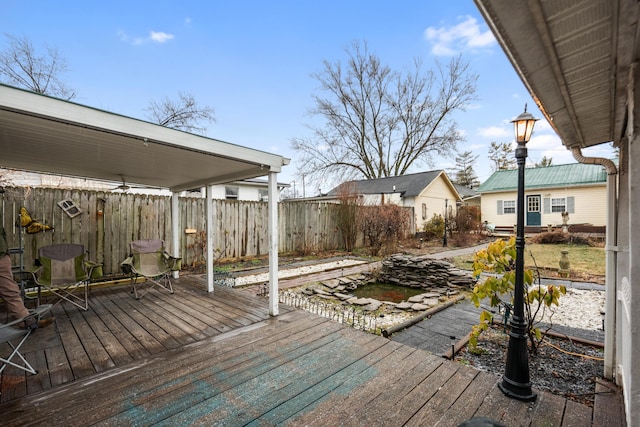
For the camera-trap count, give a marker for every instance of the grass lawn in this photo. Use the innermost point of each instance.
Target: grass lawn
(584, 259)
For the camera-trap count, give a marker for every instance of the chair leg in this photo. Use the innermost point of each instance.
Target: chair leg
(163, 282)
(26, 366)
(67, 294)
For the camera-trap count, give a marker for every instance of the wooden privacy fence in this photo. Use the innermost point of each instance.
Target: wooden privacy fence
(111, 220)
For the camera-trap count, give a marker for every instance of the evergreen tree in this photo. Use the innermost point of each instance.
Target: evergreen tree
(463, 172)
(546, 161)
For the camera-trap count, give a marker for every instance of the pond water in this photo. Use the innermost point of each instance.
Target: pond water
(386, 292)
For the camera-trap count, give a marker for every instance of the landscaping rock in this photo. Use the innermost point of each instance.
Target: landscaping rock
(423, 272)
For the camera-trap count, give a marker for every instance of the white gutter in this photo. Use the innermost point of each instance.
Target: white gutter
(611, 250)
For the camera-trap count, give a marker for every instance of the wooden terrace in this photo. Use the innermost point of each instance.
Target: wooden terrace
(219, 359)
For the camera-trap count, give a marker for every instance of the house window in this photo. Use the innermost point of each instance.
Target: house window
(424, 211)
(231, 192)
(558, 204)
(263, 195)
(509, 207)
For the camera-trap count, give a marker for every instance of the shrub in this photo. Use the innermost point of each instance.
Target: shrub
(467, 219)
(348, 215)
(434, 227)
(559, 237)
(499, 258)
(383, 226)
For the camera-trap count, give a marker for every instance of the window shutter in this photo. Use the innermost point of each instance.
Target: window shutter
(499, 207)
(546, 205)
(571, 204)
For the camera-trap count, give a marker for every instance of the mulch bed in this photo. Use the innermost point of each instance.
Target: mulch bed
(560, 366)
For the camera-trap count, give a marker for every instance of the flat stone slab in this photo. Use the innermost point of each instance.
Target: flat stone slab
(331, 283)
(373, 306)
(362, 301)
(431, 295)
(431, 301)
(404, 305)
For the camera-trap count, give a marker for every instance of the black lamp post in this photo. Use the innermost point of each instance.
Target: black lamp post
(515, 381)
(444, 237)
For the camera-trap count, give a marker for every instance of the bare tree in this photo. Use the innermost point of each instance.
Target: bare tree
(501, 154)
(21, 66)
(182, 114)
(379, 122)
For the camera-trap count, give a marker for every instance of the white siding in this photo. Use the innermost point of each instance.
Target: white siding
(590, 206)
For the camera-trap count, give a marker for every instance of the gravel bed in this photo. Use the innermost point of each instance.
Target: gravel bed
(298, 271)
(570, 373)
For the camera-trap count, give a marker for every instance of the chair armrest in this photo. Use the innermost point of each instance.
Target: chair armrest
(127, 265)
(94, 270)
(174, 263)
(36, 272)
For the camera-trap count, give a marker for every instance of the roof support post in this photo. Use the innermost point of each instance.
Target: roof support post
(210, 216)
(175, 228)
(273, 243)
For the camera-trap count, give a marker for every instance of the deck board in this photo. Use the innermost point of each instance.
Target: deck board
(219, 358)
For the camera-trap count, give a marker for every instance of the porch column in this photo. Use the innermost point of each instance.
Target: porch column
(175, 228)
(210, 218)
(273, 243)
(629, 291)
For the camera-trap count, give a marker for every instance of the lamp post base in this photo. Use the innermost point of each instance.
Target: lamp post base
(517, 390)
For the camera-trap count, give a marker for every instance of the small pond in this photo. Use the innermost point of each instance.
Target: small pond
(386, 292)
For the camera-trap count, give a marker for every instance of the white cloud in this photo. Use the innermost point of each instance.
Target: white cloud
(187, 21)
(494, 132)
(154, 36)
(466, 35)
(545, 142)
(160, 36)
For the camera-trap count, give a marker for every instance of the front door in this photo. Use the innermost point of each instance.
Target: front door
(533, 211)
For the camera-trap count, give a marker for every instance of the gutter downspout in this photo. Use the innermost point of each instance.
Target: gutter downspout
(611, 250)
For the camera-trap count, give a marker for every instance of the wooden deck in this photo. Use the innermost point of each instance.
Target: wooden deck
(219, 359)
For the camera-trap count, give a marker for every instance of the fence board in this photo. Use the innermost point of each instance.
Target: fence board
(111, 220)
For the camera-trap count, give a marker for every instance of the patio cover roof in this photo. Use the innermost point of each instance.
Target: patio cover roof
(44, 134)
(574, 58)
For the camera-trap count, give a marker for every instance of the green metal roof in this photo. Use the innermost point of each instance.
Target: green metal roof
(571, 175)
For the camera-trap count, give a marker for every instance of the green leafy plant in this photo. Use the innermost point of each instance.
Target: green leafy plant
(434, 227)
(500, 258)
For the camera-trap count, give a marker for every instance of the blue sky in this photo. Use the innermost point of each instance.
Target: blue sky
(251, 61)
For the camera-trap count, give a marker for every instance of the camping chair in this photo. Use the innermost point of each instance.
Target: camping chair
(149, 260)
(15, 337)
(63, 270)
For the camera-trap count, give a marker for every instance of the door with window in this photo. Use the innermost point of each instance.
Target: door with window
(533, 211)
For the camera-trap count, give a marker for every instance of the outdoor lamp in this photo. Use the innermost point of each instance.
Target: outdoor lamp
(444, 237)
(515, 381)
(523, 125)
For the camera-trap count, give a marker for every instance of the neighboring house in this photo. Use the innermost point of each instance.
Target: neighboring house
(245, 190)
(470, 197)
(579, 189)
(426, 192)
